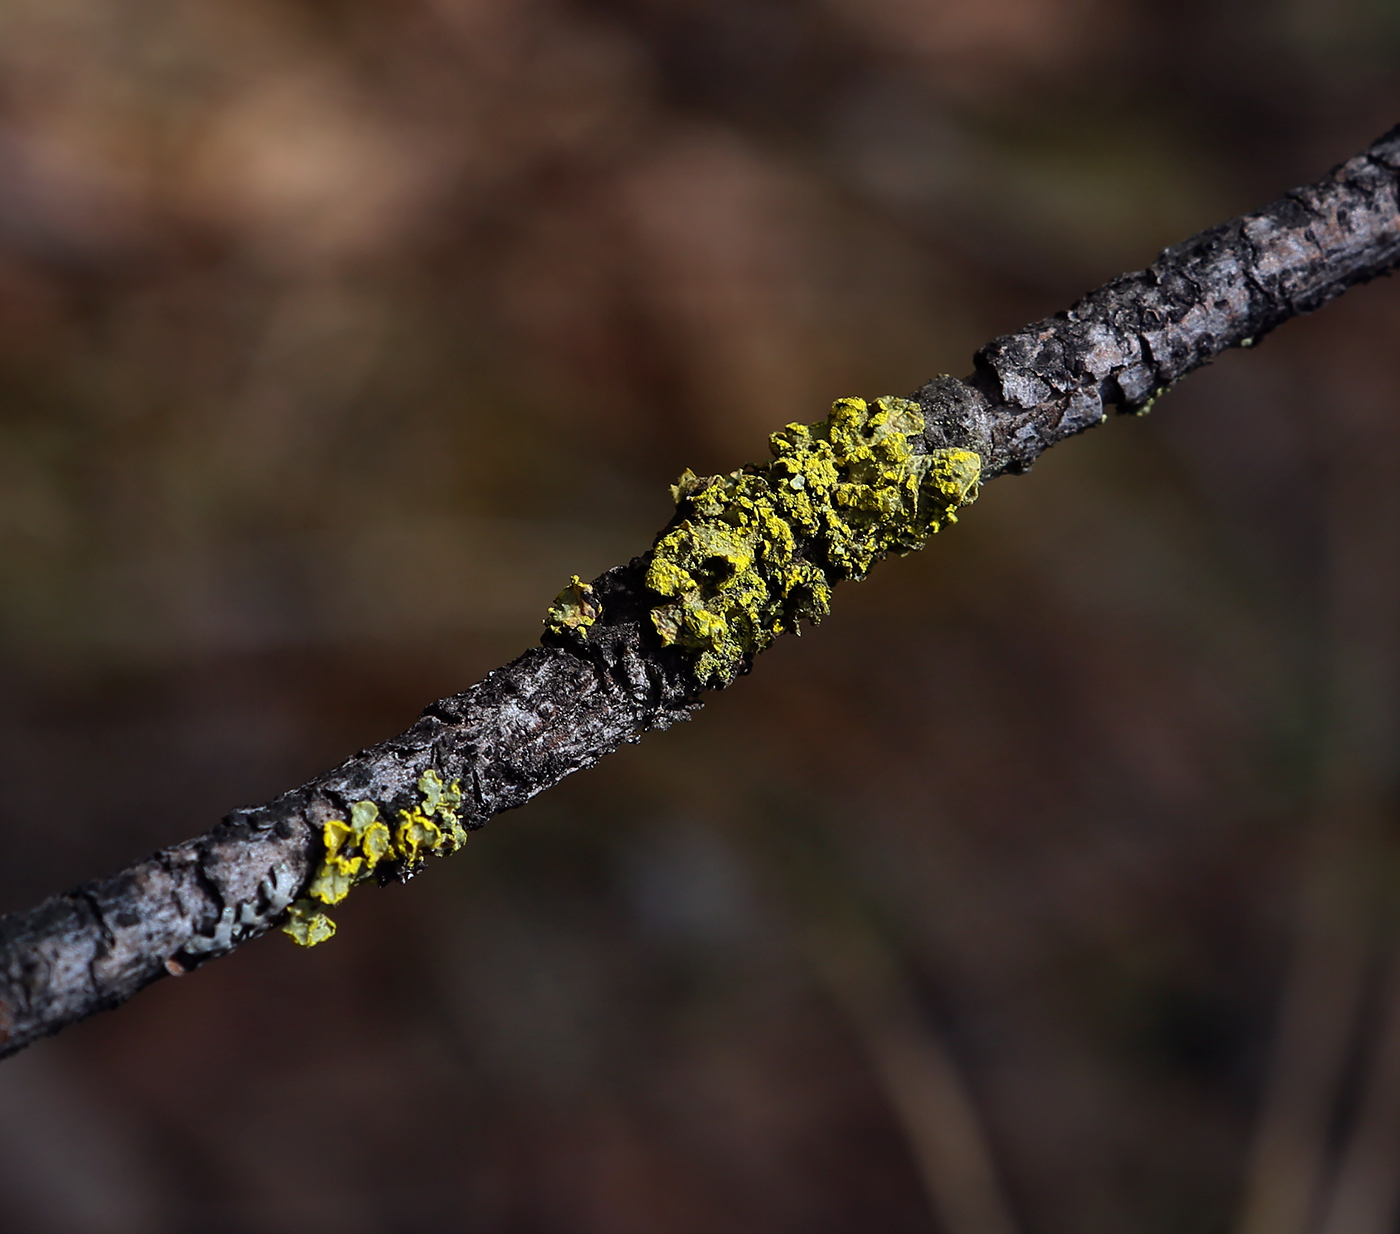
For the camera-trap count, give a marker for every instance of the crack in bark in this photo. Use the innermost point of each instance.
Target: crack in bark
(561, 707)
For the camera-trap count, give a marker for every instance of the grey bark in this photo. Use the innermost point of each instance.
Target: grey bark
(563, 706)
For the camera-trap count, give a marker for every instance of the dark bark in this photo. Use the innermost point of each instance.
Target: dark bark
(559, 708)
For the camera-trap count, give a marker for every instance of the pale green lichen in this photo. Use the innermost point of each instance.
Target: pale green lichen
(355, 848)
(755, 553)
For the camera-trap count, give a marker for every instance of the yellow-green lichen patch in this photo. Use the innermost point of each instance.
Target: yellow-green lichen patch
(307, 925)
(433, 827)
(574, 609)
(756, 552)
(352, 851)
(355, 848)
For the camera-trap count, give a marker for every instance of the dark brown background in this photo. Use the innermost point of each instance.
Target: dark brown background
(335, 336)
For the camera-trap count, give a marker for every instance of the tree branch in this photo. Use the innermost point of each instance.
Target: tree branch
(563, 706)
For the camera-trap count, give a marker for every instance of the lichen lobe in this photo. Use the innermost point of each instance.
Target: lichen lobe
(574, 609)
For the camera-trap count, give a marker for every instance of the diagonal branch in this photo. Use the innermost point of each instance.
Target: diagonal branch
(563, 706)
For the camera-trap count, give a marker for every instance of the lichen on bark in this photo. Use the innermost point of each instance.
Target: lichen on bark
(752, 554)
(354, 850)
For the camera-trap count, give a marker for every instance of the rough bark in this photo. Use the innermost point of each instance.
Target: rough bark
(560, 708)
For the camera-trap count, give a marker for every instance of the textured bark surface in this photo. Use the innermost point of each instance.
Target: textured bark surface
(561, 708)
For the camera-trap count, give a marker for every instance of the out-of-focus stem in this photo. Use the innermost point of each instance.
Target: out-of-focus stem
(920, 1078)
(1317, 1025)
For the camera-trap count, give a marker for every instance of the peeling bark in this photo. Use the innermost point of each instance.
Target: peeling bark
(560, 708)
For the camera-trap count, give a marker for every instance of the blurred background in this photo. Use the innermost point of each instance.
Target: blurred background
(1048, 888)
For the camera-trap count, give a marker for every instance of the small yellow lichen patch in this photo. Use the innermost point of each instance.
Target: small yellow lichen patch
(370, 835)
(333, 835)
(337, 875)
(574, 609)
(352, 852)
(353, 849)
(416, 835)
(307, 925)
(756, 552)
(446, 802)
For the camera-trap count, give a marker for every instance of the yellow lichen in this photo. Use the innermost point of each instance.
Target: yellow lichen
(749, 556)
(416, 834)
(307, 925)
(574, 609)
(352, 852)
(756, 552)
(353, 849)
(446, 802)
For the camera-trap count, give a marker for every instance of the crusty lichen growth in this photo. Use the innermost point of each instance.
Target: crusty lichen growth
(354, 849)
(753, 554)
(574, 609)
